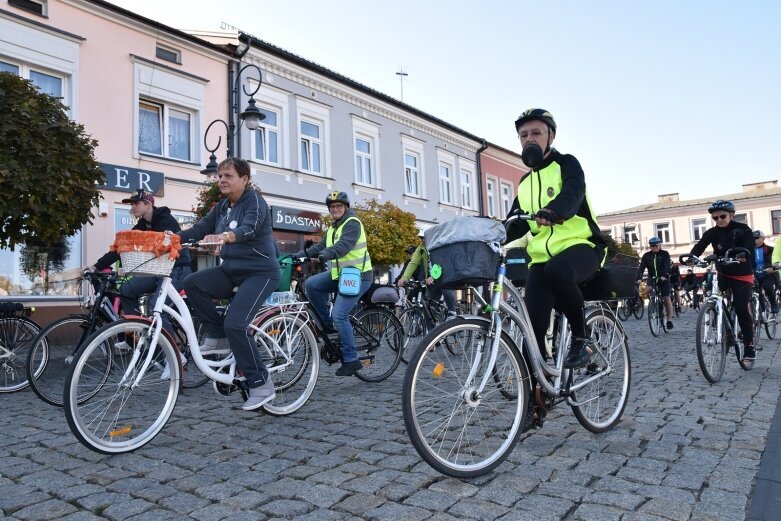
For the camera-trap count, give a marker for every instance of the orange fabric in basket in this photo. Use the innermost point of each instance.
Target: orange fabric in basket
(155, 242)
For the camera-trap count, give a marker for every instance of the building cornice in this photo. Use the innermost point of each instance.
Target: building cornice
(40, 26)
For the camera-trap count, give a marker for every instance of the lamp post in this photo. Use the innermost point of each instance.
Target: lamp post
(250, 117)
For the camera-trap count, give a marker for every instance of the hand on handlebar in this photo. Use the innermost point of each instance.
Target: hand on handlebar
(401, 282)
(545, 217)
(429, 280)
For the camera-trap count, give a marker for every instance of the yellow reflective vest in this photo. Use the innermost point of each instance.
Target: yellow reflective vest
(358, 256)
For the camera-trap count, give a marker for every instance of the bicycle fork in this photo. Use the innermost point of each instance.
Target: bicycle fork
(132, 377)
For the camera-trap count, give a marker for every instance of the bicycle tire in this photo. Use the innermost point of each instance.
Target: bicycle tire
(51, 356)
(771, 321)
(17, 334)
(683, 306)
(639, 309)
(711, 354)
(756, 317)
(624, 310)
(600, 404)
(117, 418)
(414, 327)
(192, 377)
(653, 315)
(288, 348)
(379, 340)
(442, 419)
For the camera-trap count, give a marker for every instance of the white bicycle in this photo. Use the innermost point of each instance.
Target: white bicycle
(117, 402)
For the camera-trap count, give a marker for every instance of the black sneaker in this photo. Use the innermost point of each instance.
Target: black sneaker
(669, 324)
(579, 353)
(750, 354)
(349, 368)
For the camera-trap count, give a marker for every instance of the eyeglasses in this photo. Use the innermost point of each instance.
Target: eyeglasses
(720, 217)
(535, 132)
(336, 206)
(656, 246)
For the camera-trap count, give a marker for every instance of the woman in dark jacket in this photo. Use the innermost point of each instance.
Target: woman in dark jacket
(241, 225)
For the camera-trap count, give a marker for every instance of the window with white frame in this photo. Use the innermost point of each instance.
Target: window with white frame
(412, 150)
(445, 183)
(313, 137)
(698, 228)
(775, 218)
(168, 108)
(267, 137)
(466, 188)
(741, 218)
(363, 161)
(631, 234)
(46, 82)
(490, 192)
(311, 147)
(507, 199)
(164, 130)
(662, 231)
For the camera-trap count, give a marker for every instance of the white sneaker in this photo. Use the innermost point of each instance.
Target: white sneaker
(259, 396)
(166, 374)
(122, 347)
(215, 346)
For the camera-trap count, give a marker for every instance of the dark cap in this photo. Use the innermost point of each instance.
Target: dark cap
(140, 195)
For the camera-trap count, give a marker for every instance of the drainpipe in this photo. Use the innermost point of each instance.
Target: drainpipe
(480, 176)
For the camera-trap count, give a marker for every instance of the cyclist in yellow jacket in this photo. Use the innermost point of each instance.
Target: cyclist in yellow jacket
(342, 245)
(566, 247)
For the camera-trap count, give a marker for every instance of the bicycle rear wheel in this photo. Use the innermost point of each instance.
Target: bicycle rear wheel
(711, 353)
(17, 334)
(192, 377)
(120, 415)
(653, 315)
(414, 326)
(457, 431)
(52, 354)
(379, 340)
(771, 321)
(288, 348)
(639, 308)
(624, 309)
(600, 403)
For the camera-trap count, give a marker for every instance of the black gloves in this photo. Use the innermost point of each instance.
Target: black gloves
(546, 214)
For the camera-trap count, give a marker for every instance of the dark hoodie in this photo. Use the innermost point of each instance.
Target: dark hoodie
(162, 221)
(734, 235)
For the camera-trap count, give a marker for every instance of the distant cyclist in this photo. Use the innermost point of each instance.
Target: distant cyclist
(657, 262)
(739, 278)
(763, 269)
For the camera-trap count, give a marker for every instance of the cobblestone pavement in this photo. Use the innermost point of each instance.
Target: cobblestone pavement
(684, 450)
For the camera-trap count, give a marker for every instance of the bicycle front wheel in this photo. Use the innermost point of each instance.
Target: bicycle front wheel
(288, 348)
(51, 356)
(624, 309)
(457, 430)
(653, 315)
(127, 406)
(711, 352)
(600, 403)
(379, 339)
(771, 321)
(414, 326)
(16, 339)
(639, 308)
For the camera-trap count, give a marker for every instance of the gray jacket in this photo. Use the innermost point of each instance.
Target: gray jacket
(250, 220)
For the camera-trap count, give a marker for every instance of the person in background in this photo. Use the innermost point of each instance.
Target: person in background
(240, 225)
(657, 262)
(764, 272)
(419, 264)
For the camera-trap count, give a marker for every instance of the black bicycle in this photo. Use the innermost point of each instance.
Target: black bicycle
(631, 306)
(656, 310)
(17, 332)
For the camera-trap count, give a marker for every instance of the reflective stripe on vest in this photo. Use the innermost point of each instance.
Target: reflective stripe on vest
(354, 257)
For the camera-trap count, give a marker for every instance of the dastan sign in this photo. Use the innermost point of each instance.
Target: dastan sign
(296, 220)
(129, 179)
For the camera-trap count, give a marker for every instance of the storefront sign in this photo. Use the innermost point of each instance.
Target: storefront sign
(129, 179)
(297, 220)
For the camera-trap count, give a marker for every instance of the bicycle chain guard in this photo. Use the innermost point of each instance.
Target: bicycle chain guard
(331, 353)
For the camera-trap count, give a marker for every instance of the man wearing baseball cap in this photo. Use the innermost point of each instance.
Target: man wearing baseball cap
(150, 218)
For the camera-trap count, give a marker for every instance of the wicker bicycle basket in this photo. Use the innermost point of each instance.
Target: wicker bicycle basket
(147, 253)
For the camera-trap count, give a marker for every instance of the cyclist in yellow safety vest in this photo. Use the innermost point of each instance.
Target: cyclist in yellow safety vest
(566, 247)
(343, 245)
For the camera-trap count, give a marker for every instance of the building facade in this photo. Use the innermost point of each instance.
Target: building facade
(680, 224)
(143, 90)
(502, 170)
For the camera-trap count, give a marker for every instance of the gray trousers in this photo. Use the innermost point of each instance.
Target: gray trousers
(204, 286)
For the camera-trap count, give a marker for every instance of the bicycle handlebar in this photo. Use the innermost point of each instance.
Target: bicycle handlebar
(729, 257)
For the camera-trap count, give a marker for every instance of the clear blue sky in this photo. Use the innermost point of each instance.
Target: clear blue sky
(651, 97)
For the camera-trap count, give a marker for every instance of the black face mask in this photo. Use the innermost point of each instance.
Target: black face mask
(532, 155)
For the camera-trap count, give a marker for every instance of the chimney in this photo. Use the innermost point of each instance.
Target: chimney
(762, 185)
(668, 198)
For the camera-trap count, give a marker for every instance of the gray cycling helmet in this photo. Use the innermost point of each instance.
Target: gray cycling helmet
(723, 205)
(538, 114)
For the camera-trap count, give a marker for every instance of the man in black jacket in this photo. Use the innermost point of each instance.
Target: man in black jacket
(763, 269)
(150, 218)
(739, 277)
(657, 262)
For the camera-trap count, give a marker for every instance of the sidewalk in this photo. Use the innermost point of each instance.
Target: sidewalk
(766, 496)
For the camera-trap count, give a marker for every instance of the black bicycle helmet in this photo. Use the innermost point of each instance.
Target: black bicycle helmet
(758, 234)
(722, 205)
(337, 197)
(538, 114)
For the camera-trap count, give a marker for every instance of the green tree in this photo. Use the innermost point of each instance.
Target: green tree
(48, 170)
(389, 231)
(614, 246)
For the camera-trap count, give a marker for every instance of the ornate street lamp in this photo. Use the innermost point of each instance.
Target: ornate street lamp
(250, 117)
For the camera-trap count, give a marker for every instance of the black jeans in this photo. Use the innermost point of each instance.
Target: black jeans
(741, 299)
(555, 284)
